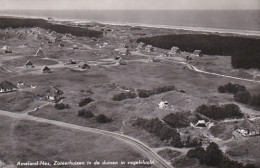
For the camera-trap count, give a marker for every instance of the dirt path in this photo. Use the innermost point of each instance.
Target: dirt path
(161, 163)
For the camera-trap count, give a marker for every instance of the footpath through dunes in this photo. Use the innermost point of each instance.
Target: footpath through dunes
(147, 151)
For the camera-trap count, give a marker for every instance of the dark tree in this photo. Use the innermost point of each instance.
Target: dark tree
(85, 101)
(103, 119)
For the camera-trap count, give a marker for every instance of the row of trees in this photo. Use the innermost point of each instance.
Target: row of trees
(245, 51)
(59, 28)
(213, 156)
(142, 93)
(222, 112)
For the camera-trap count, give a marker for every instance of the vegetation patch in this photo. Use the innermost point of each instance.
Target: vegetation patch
(61, 106)
(231, 88)
(242, 57)
(213, 156)
(85, 101)
(124, 95)
(143, 93)
(227, 111)
(85, 113)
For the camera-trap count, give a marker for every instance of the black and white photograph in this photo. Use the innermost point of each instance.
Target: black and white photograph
(129, 83)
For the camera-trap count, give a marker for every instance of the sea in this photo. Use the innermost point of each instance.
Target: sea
(236, 21)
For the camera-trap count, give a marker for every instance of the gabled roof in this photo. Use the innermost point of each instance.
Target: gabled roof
(197, 52)
(29, 63)
(54, 91)
(247, 124)
(39, 52)
(7, 85)
(83, 65)
(46, 68)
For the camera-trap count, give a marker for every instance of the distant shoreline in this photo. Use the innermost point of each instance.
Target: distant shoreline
(196, 29)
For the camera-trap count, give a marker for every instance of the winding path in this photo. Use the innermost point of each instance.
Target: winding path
(161, 163)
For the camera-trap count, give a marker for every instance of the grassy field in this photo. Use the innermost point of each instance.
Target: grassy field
(30, 141)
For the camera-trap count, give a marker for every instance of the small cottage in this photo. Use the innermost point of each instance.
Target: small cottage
(29, 64)
(53, 94)
(140, 46)
(149, 48)
(117, 57)
(72, 61)
(174, 50)
(40, 53)
(197, 53)
(163, 105)
(6, 86)
(122, 62)
(8, 49)
(83, 65)
(46, 70)
(124, 51)
(201, 123)
(75, 47)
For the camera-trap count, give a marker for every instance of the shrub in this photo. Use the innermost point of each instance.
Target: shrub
(123, 96)
(231, 88)
(197, 152)
(255, 101)
(61, 106)
(85, 101)
(177, 120)
(243, 97)
(220, 112)
(85, 113)
(103, 119)
(142, 93)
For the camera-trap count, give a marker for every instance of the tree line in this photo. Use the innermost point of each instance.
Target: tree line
(59, 28)
(245, 51)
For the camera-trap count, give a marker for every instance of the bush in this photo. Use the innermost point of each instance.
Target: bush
(177, 120)
(255, 101)
(61, 106)
(220, 112)
(85, 101)
(243, 97)
(103, 119)
(231, 88)
(85, 113)
(123, 96)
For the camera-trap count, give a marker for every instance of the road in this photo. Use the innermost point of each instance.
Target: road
(193, 68)
(159, 162)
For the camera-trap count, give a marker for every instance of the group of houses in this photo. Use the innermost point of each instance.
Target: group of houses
(147, 48)
(52, 93)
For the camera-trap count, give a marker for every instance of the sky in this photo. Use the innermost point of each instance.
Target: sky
(129, 4)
